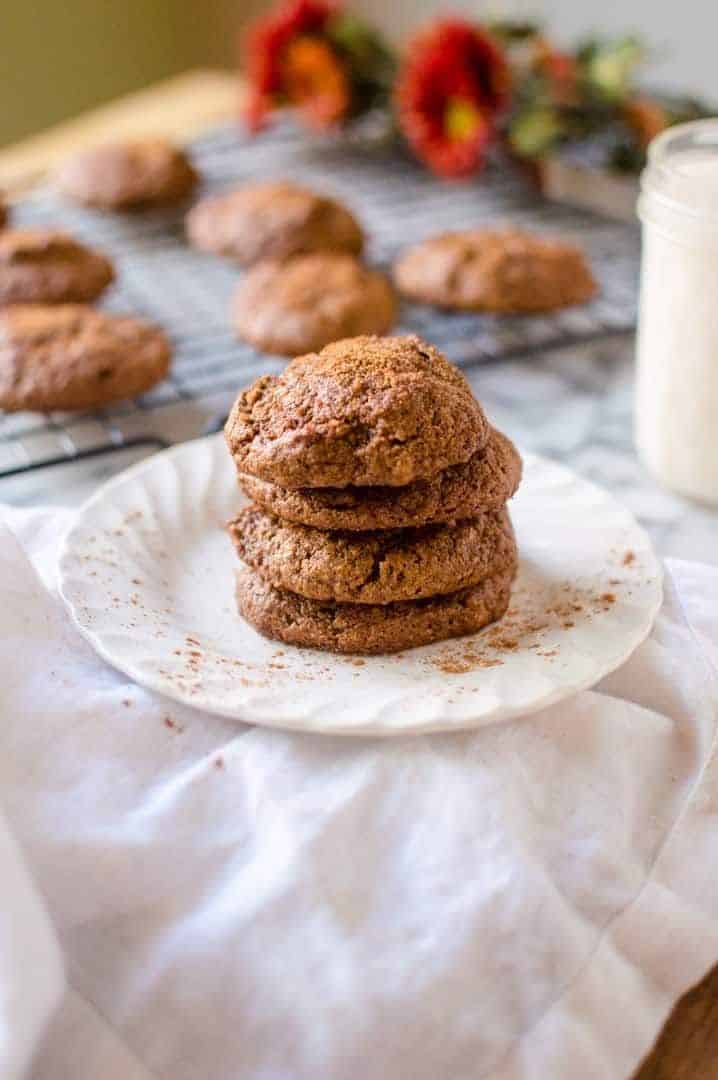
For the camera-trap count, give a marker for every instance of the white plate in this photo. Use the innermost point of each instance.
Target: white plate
(147, 571)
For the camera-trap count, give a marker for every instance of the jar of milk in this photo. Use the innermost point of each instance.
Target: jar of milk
(677, 379)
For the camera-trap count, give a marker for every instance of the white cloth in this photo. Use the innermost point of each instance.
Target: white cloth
(522, 902)
(31, 978)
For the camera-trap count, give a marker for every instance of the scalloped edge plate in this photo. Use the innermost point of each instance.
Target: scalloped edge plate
(147, 572)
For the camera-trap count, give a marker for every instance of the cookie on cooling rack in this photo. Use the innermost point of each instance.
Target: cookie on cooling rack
(507, 271)
(49, 267)
(302, 304)
(128, 175)
(272, 220)
(69, 357)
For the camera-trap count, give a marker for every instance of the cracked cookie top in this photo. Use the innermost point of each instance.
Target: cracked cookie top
(363, 411)
(374, 567)
(71, 356)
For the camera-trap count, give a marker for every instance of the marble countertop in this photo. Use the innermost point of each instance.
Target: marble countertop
(576, 405)
(573, 404)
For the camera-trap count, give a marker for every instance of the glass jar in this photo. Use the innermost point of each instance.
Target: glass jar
(677, 348)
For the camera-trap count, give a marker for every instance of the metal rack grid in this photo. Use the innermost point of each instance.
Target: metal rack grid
(188, 293)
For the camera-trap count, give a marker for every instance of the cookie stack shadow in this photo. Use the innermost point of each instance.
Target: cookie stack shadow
(378, 491)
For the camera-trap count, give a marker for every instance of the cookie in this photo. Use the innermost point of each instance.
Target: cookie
(69, 356)
(272, 220)
(303, 304)
(485, 482)
(507, 271)
(128, 175)
(373, 567)
(366, 628)
(363, 411)
(47, 266)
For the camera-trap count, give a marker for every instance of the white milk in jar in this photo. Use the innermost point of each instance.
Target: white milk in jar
(677, 379)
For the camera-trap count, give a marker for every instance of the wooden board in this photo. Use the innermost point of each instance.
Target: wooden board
(178, 108)
(688, 1046)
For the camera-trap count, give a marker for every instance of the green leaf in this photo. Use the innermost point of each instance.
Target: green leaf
(512, 31)
(609, 67)
(533, 132)
(370, 59)
(627, 157)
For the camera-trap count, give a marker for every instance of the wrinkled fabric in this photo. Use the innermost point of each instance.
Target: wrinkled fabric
(31, 977)
(524, 901)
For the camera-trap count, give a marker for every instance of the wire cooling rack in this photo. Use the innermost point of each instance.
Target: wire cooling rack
(188, 293)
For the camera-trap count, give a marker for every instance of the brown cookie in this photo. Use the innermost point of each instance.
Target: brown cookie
(485, 482)
(366, 628)
(49, 267)
(128, 175)
(303, 304)
(363, 411)
(272, 220)
(506, 271)
(373, 567)
(70, 356)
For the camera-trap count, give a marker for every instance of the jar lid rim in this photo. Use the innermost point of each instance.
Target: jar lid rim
(676, 172)
(697, 130)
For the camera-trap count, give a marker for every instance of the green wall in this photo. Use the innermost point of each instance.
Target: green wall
(59, 57)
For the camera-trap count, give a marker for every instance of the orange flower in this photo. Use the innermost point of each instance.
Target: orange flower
(315, 81)
(265, 46)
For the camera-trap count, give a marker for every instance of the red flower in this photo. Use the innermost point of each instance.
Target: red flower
(453, 86)
(266, 46)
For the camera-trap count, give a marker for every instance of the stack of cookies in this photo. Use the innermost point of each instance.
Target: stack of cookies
(378, 490)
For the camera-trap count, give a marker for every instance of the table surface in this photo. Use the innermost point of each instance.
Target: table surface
(590, 388)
